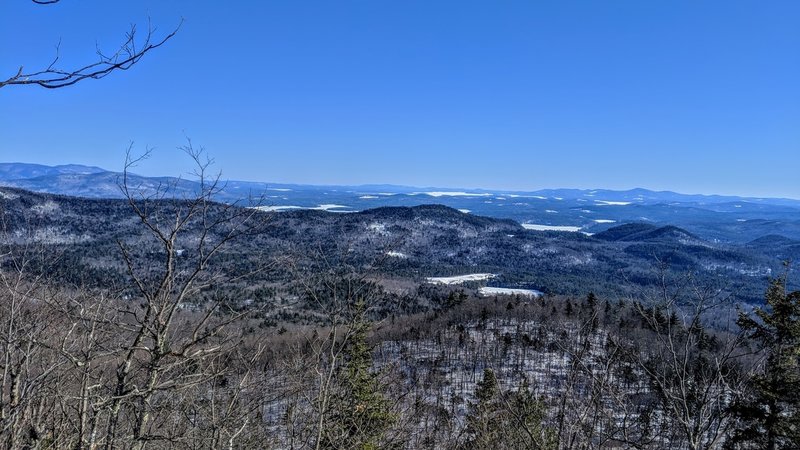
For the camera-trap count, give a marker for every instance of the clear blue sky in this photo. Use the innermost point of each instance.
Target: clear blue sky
(692, 96)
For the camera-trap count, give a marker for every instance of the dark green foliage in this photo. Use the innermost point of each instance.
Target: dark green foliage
(591, 301)
(484, 425)
(770, 417)
(360, 413)
(506, 420)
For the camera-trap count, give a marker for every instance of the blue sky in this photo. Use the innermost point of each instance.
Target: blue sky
(694, 96)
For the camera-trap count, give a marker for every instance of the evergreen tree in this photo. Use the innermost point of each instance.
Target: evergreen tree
(361, 414)
(769, 417)
(525, 428)
(591, 301)
(507, 420)
(483, 426)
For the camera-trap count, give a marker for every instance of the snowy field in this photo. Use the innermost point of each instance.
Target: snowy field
(278, 208)
(536, 227)
(461, 278)
(281, 208)
(607, 203)
(455, 194)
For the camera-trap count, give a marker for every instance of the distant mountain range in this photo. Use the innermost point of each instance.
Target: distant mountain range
(715, 218)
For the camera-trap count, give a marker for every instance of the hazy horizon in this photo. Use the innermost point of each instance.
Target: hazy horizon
(187, 175)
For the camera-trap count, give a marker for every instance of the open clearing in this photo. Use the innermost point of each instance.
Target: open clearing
(458, 279)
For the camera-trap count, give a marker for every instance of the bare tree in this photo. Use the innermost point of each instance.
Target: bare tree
(695, 372)
(168, 350)
(130, 52)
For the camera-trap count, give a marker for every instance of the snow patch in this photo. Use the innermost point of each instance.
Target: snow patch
(379, 228)
(278, 208)
(460, 278)
(8, 196)
(395, 254)
(537, 227)
(604, 221)
(45, 208)
(328, 207)
(608, 203)
(455, 194)
(525, 196)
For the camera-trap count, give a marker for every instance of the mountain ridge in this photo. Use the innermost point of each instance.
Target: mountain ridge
(413, 242)
(14, 173)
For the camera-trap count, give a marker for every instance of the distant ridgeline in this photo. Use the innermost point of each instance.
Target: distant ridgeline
(717, 219)
(406, 243)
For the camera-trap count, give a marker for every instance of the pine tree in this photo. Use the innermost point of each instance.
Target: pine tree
(525, 428)
(361, 414)
(483, 426)
(770, 417)
(507, 420)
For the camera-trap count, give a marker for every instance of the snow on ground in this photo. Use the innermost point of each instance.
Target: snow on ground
(465, 211)
(368, 196)
(460, 278)
(278, 208)
(8, 196)
(379, 228)
(279, 189)
(536, 227)
(487, 291)
(45, 208)
(551, 211)
(608, 203)
(328, 207)
(455, 194)
(526, 196)
(395, 254)
(604, 221)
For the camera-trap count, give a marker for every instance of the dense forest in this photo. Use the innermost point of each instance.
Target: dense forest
(171, 354)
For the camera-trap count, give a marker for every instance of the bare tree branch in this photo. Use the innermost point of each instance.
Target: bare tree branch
(130, 52)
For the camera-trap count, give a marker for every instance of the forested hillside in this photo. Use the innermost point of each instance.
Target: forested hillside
(153, 323)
